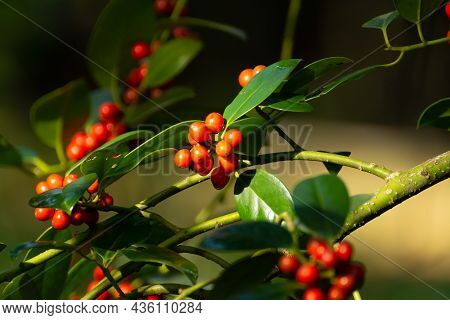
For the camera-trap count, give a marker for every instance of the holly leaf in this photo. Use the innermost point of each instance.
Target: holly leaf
(64, 198)
(12, 156)
(77, 278)
(322, 205)
(382, 21)
(259, 89)
(416, 10)
(260, 196)
(288, 103)
(248, 235)
(436, 115)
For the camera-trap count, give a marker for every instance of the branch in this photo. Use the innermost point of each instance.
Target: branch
(399, 187)
(419, 45)
(203, 253)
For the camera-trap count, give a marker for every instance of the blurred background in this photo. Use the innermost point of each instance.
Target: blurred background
(406, 250)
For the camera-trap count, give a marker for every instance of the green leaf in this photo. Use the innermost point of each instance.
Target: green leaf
(21, 287)
(359, 199)
(2, 246)
(120, 24)
(244, 274)
(288, 103)
(253, 134)
(97, 97)
(322, 204)
(268, 291)
(415, 10)
(196, 22)
(160, 255)
(56, 116)
(64, 198)
(16, 250)
(436, 115)
(14, 156)
(249, 235)
(170, 60)
(259, 89)
(77, 278)
(381, 21)
(333, 167)
(137, 114)
(299, 82)
(261, 196)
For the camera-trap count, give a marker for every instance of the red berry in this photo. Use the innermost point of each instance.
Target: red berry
(134, 78)
(307, 274)
(91, 217)
(106, 200)
(182, 158)
(346, 282)
(42, 187)
(180, 32)
(219, 178)
(79, 138)
(245, 76)
(44, 214)
(69, 179)
(125, 286)
(199, 153)
(78, 216)
(336, 293)
(258, 69)
(228, 164)
(224, 149)
(204, 167)
(93, 188)
(214, 122)
(156, 93)
(358, 271)
(60, 220)
(91, 285)
(163, 7)
(75, 152)
(313, 294)
(316, 248)
(130, 96)
(92, 143)
(98, 273)
(288, 264)
(343, 251)
(142, 70)
(447, 10)
(109, 111)
(153, 297)
(100, 131)
(233, 137)
(140, 50)
(328, 258)
(199, 132)
(192, 142)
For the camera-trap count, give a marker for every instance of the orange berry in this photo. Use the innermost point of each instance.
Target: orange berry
(93, 188)
(69, 179)
(228, 164)
(258, 69)
(233, 137)
(223, 148)
(42, 187)
(60, 220)
(199, 153)
(182, 158)
(44, 214)
(55, 181)
(214, 122)
(245, 76)
(199, 132)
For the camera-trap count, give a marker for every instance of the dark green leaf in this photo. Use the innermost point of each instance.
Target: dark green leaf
(249, 235)
(21, 287)
(259, 89)
(299, 82)
(160, 255)
(137, 114)
(2, 246)
(382, 21)
(196, 22)
(244, 274)
(253, 134)
(415, 10)
(288, 103)
(56, 116)
(120, 24)
(98, 97)
(64, 198)
(77, 278)
(261, 196)
(436, 115)
(322, 204)
(359, 199)
(18, 249)
(170, 60)
(333, 167)
(14, 156)
(268, 291)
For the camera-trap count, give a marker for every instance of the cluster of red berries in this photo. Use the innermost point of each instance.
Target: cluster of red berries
(447, 11)
(108, 128)
(202, 138)
(346, 275)
(247, 74)
(79, 215)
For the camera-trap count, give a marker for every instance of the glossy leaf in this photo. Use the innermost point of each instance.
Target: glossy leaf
(249, 235)
(288, 103)
(333, 167)
(56, 116)
(196, 22)
(268, 291)
(170, 60)
(322, 204)
(260, 196)
(253, 134)
(359, 199)
(259, 89)
(415, 10)
(244, 274)
(64, 198)
(299, 82)
(382, 21)
(120, 24)
(77, 277)
(436, 115)
(137, 114)
(18, 249)
(160, 255)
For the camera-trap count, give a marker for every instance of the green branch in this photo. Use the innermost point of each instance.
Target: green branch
(419, 45)
(203, 253)
(287, 46)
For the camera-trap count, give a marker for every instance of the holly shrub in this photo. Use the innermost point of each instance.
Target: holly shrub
(291, 243)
